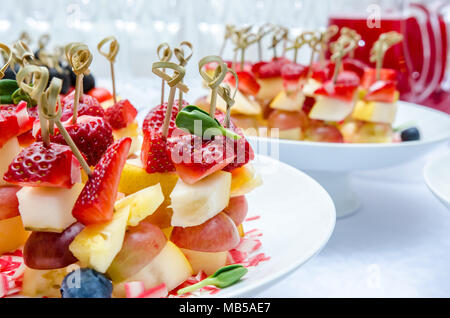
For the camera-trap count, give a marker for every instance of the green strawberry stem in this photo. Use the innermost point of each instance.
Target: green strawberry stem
(201, 284)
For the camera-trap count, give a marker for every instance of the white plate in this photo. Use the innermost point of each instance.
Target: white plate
(297, 217)
(437, 177)
(330, 163)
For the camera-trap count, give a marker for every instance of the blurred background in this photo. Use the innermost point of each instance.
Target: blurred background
(140, 25)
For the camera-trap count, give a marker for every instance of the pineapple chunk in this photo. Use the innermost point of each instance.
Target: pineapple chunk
(269, 88)
(331, 109)
(135, 178)
(377, 112)
(56, 212)
(40, 283)
(132, 131)
(7, 153)
(204, 261)
(242, 105)
(142, 203)
(244, 180)
(292, 102)
(97, 245)
(13, 235)
(193, 204)
(108, 103)
(170, 267)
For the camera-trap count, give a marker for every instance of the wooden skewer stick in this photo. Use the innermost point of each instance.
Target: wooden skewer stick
(213, 82)
(380, 47)
(340, 48)
(325, 38)
(179, 53)
(174, 82)
(4, 48)
(79, 58)
(229, 30)
(165, 56)
(111, 57)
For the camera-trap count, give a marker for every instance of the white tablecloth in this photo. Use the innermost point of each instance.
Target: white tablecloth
(397, 245)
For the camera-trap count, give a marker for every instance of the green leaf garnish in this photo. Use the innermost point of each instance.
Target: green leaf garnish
(20, 95)
(7, 88)
(224, 277)
(198, 122)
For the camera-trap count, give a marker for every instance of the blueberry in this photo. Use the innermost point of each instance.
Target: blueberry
(410, 134)
(88, 80)
(63, 75)
(86, 283)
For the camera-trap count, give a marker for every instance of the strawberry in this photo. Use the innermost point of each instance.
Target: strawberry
(241, 147)
(293, 71)
(382, 91)
(100, 93)
(386, 74)
(91, 107)
(194, 158)
(153, 153)
(356, 66)
(247, 65)
(308, 104)
(121, 114)
(247, 82)
(92, 135)
(84, 99)
(322, 73)
(14, 122)
(95, 203)
(344, 89)
(270, 69)
(44, 166)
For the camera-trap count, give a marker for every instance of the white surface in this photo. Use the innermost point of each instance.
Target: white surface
(297, 219)
(437, 177)
(396, 246)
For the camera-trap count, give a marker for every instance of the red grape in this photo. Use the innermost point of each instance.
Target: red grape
(141, 245)
(324, 133)
(46, 250)
(218, 234)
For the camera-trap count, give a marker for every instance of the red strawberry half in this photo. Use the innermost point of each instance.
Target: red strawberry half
(95, 203)
(344, 89)
(386, 74)
(121, 114)
(153, 152)
(101, 94)
(270, 69)
(194, 158)
(44, 166)
(92, 135)
(241, 147)
(382, 91)
(356, 66)
(247, 82)
(14, 122)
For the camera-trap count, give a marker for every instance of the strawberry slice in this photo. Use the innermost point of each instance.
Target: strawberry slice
(44, 166)
(101, 94)
(386, 74)
(344, 89)
(153, 152)
(121, 114)
(382, 91)
(241, 147)
(92, 136)
(14, 122)
(87, 106)
(195, 159)
(356, 66)
(293, 71)
(95, 203)
(84, 99)
(322, 73)
(247, 82)
(270, 69)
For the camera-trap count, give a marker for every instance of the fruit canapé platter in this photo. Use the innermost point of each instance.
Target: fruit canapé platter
(95, 205)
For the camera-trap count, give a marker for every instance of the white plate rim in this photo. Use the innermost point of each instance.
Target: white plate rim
(429, 183)
(269, 279)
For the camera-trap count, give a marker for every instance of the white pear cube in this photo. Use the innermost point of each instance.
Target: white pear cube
(269, 88)
(331, 109)
(7, 153)
(293, 102)
(48, 209)
(310, 87)
(242, 105)
(194, 204)
(170, 267)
